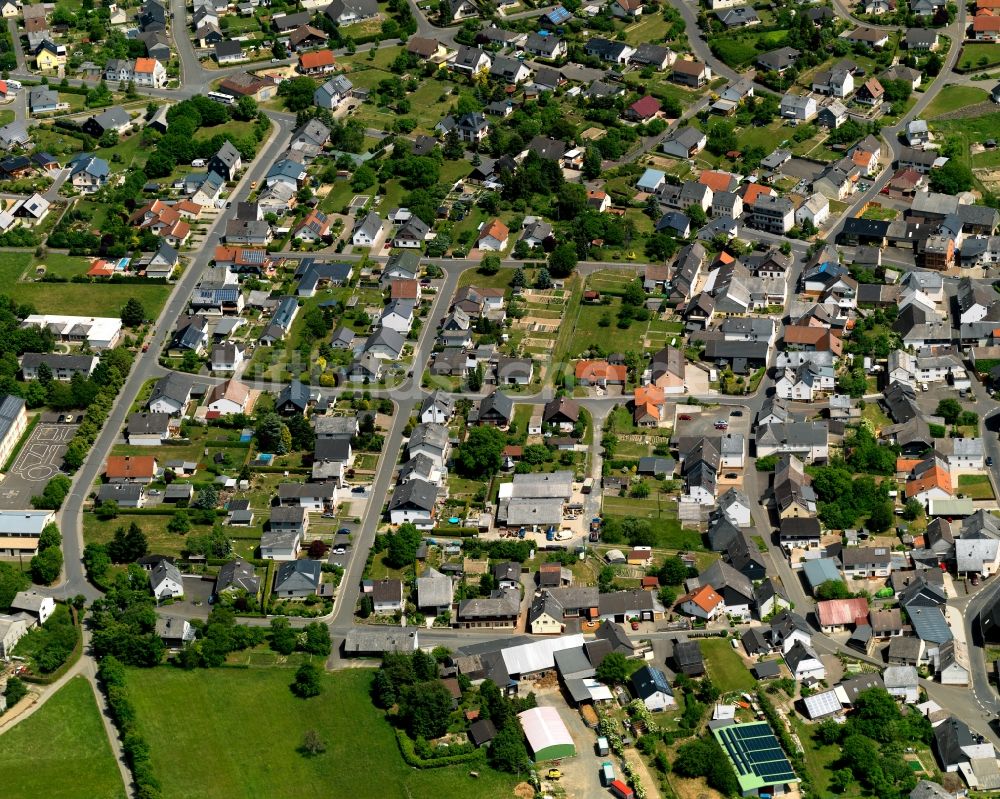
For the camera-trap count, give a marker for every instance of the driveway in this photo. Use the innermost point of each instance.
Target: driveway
(195, 604)
(39, 460)
(580, 777)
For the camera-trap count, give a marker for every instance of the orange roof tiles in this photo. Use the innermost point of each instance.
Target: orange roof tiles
(101, 268)
(906, 465)
(705, 598)
(145, 66)
(316, 59)
(985, 24)
(753, 191)
(130, 467)
(715, 180)
(496, 229)
(601, 370)
(649, 395)
(933, 478)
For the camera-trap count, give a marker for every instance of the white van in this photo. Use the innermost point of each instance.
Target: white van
(198, 162)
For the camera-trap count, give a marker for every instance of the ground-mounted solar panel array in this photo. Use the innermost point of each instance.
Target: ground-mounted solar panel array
(756, 755)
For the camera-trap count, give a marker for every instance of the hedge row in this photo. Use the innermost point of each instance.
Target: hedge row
(455, 532)
(406, 748)
(111, 674)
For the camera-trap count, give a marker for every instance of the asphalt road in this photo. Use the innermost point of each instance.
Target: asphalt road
(145, 367)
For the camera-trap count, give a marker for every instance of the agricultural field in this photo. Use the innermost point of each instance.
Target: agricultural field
(61, 752)
(224, 759)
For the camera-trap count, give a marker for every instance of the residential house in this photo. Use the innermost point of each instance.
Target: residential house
(165, 581)
(229, 397)
(685, 142)
(147, 429)
(651, 687)
(297, 579)
(691, 73)
(836, 615)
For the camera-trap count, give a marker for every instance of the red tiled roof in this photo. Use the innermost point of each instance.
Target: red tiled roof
(715, 180)
(130, 466)
(601, 370)
(496, 229)
(839, 612)
(753, 191)
(646, 107)
(934, 478)
(705, 598)
(316, 59)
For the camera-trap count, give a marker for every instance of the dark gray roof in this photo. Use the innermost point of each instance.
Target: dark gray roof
(296, 393)
(298, 575)
(415, 493)
(237, 574)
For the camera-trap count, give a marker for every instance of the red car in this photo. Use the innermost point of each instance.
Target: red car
(684, 417)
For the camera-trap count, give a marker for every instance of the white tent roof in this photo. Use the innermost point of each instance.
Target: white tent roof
(543, 728)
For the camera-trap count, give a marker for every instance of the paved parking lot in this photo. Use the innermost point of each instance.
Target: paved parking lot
(702, 421)
(38, 462)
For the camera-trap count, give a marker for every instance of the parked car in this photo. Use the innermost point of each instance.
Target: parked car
(684, 417)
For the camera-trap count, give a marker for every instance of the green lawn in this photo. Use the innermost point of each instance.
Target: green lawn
(978, 56)
(739, 50)
(662, 518)
(98, 299)
(237, 128)
(209, 751)
(67, 266)
(612, 338)
(975, 486)
(160, 539)
(986, 159)
(651, 28)
(725, 666)
(954, 98)
(61, 752)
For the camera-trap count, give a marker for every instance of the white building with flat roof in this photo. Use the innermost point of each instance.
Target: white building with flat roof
(100, 332)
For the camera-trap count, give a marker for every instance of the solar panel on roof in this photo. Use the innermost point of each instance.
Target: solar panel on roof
(756, 754)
